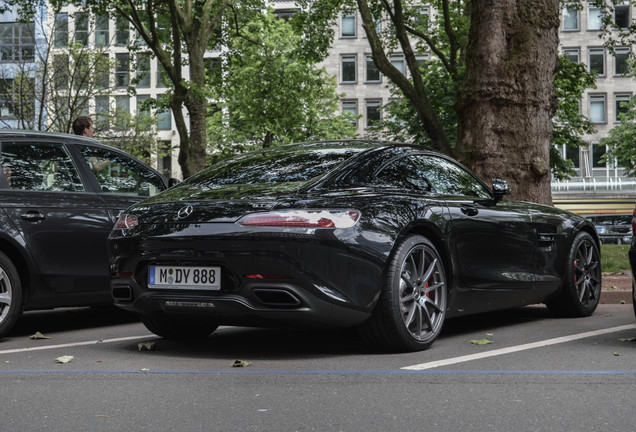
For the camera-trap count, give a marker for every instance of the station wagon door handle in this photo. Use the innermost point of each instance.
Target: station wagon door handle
(469, 210)
(33, 216)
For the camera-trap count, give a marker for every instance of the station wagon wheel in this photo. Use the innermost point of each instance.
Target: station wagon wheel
(581, 288)
(171, 328)
(412, 306)
(10, 295)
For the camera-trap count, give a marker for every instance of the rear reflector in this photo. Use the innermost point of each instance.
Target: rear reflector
(266, 276)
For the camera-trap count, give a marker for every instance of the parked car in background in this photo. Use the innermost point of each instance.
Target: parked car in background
(390, 238)
(59, 197)
(613, 228)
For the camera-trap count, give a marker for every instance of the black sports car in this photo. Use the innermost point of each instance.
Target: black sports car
(390, 238)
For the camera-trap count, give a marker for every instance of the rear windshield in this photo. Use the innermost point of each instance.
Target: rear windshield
(279, 165)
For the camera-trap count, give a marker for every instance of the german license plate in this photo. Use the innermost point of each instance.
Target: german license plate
(184, 277)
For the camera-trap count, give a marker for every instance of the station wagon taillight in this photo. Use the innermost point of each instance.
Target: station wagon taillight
(126, 221)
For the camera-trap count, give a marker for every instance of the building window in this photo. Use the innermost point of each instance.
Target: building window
(372, 73)
(621, 105)
(122, 112)
(597, 109)
(594, 17)
(102, 72)
(422, 59)
(143, 70)
(598, 151)
(164, 120)
(61, 30)
(102, 33)
(122, 36)
(621, 61)
(573, 54)
(61, 71)
(17, 42)
(81, 28)
(573, 154)
(350, 107)
(597, 61)
(164, 159)
(423, 17)
(348, 67)
(285, 14)
(570, 17)
(162, 77)
(142, 108)
(348, 25)
(122, 72)
(374, 112)
(621, 14)
(397, 60)
(102, 113)
(6, 99)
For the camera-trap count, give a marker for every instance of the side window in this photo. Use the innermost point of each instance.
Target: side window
(431, 174)
(39, 166)
(119, 174)
(448, 178)
(403, 173)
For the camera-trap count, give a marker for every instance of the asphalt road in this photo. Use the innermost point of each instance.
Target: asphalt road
(538, 374)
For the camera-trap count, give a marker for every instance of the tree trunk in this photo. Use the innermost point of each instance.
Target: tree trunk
(508, 97)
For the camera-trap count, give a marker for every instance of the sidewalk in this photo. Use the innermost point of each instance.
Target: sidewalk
(617, 289)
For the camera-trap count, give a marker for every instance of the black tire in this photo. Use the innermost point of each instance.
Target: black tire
(10, 295)
(179, 329)
(412, 307)
(581, 290)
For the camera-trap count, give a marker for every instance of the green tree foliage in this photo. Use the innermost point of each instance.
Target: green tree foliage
(568, 125)
(270, 92)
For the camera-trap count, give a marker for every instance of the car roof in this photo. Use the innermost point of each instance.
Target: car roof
(22, 133)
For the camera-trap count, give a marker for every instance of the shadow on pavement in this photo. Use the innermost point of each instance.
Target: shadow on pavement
(68, 319)
(287, 343)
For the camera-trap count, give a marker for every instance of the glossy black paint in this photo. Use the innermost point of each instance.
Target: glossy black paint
(57, 239)
(497, 254)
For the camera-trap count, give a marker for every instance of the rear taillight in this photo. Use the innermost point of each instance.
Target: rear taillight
(126, 221)
(303, 219)
(634, 223)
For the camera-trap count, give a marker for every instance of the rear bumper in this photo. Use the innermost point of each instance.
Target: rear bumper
(256, 303)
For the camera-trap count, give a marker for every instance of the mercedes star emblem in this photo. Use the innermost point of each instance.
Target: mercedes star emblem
(184, 212)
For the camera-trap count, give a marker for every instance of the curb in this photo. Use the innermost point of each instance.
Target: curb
(616, 297)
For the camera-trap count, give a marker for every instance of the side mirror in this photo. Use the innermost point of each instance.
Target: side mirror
(500, 188)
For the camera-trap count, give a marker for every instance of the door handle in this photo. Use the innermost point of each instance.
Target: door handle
(33, 216)
(469, 210)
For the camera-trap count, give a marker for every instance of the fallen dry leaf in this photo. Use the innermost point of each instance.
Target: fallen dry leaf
(64, 359)
(38, 335)
(148, 346)
(241, 363)
(481, 341)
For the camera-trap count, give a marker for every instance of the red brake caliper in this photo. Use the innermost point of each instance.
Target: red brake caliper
(576, 262)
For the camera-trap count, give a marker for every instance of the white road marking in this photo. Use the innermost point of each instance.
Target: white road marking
(502, 351)
(74, 344)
